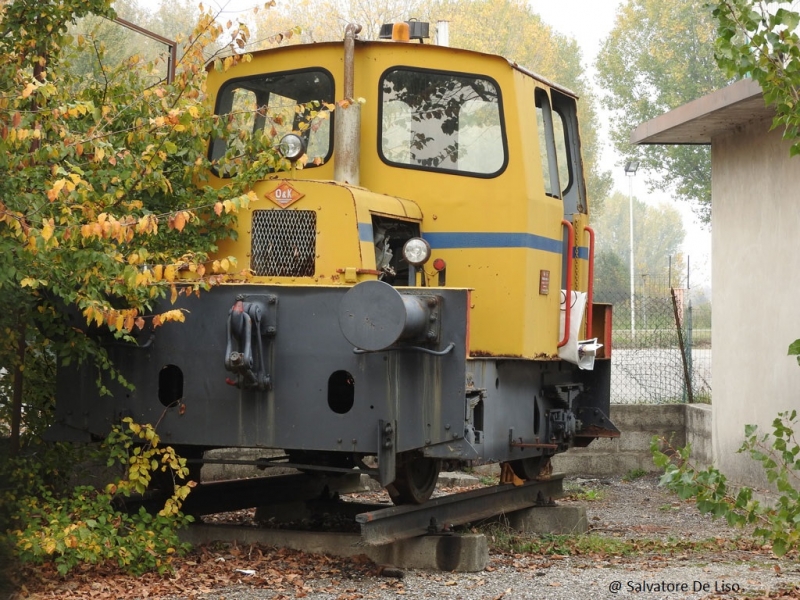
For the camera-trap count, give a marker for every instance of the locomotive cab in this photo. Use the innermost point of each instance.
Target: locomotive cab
(416, 288)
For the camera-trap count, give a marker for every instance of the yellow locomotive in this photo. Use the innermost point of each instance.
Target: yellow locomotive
(420, 291)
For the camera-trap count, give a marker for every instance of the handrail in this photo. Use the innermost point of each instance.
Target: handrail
(570, 252)
(590, 285)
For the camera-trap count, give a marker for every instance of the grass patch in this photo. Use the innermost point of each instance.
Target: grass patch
(504, 539)
(587, 494)
(634, 474)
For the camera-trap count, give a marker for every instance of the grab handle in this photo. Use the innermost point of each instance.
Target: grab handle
(590, 284)
(567, 302)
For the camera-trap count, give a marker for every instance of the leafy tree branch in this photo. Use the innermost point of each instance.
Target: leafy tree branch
(759, 39)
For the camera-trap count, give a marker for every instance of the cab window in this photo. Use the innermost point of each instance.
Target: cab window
(270, 106)
(552, 146)
(440, 121)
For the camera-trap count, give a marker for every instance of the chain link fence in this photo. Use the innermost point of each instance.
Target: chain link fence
(649, 331)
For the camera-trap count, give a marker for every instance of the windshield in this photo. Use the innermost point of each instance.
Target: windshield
(442, 121)
(270, 106)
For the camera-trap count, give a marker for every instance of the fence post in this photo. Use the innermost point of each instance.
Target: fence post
(679, 327)
(689, 345)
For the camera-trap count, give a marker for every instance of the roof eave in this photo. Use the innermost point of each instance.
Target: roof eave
(699, 121)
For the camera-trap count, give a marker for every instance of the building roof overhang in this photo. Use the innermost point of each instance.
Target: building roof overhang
(705, 118)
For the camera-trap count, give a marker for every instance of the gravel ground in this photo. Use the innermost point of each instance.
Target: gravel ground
(696, 558)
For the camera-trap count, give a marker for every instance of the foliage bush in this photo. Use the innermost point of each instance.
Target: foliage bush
(51, 523)
(777, 523)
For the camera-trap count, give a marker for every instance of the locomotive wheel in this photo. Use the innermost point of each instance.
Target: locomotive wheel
(415, 480)
(531, 469)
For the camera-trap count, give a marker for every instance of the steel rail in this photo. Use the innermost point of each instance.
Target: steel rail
(398, 522)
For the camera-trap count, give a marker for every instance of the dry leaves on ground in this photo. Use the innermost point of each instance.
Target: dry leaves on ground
(284, 571)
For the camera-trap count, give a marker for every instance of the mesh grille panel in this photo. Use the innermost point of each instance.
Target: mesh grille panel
(284, 243)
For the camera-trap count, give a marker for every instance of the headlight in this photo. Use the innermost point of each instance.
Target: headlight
(291, 146)
(417, 251)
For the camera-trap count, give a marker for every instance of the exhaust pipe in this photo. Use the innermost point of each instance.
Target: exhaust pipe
(347, 119)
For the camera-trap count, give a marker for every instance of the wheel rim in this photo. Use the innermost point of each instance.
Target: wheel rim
(415, 480)
(530, 469)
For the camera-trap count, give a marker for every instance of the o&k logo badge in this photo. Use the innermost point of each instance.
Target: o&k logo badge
(284, 195)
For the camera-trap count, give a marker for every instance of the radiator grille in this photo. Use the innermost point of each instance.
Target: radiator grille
(284, 243)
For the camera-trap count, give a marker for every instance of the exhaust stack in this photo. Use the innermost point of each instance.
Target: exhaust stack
(347, 120)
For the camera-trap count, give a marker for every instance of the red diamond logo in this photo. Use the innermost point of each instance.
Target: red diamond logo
(284, 195)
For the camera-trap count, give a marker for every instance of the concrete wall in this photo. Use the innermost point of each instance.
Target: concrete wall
(637, 423)
(698, 433)
(756, 282)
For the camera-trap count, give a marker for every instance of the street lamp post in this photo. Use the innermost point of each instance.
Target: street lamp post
(630, 170)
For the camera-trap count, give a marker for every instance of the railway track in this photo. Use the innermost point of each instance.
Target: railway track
(286, 498)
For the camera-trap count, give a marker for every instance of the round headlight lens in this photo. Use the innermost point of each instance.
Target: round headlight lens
(291, 146)
(417, 251)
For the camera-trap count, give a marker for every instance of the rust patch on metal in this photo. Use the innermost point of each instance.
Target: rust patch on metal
(488, 354)
(534, 445)
(595, 431)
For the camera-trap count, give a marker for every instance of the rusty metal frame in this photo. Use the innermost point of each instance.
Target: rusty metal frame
(172, 45)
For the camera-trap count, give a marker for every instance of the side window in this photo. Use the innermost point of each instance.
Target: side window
(553, 146)
(547, 144)
(560, 133)
(442, 121)
(264, 108)
(568, 146)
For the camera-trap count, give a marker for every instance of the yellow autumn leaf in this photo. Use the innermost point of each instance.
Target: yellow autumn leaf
(180, 221)
(174, 315)
(158, 272)
(169, 273)
(47, 229)
(173, 296)
(53, 192)
(27, 92)
(28, 282)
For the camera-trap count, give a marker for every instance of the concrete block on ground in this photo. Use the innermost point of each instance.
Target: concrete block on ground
(466, 553)
(456, 479)
(549, 519)
(463, 553)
